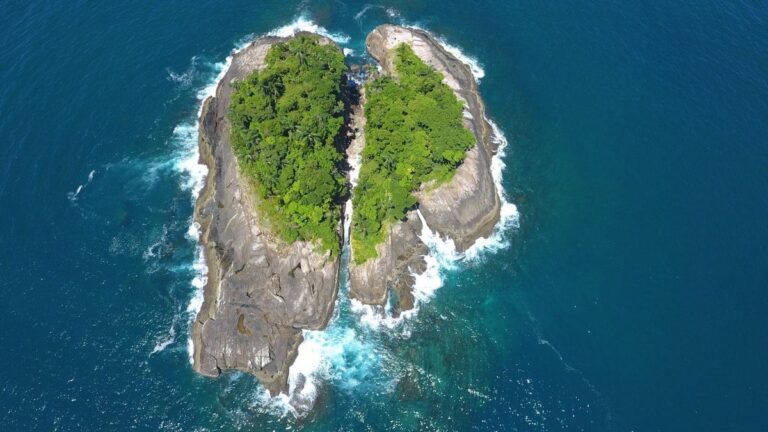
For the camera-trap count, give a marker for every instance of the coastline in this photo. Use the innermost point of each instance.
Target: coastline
(463, 210)
(417, 278)
(260, 292)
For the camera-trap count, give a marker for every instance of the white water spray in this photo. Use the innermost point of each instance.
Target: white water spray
(303, 24)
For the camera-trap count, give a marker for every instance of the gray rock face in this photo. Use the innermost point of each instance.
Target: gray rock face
(464, 209)
(260, 291)
(399, 257)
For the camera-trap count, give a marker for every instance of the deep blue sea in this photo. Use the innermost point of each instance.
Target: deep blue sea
(632, 295)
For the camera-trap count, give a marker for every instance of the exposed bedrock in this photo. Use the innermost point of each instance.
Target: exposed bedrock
(464, 209)
(260, 292)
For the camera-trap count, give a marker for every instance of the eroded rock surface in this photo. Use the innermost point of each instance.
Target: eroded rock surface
(260, 292)
(464, 209)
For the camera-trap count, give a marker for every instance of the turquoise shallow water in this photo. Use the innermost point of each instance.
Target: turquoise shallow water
(631, 297)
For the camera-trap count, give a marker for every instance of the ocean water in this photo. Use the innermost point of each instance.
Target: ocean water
(626, 291)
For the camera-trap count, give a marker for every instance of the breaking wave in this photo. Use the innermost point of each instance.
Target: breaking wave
(301, 24)
(358, 16)
(474, 65)
(340, 355)
(200, 271)
(163, 343)
(509, 216)
(193, 174)
(185, 78)
(72, 196)
(391, 12)
(442, 257)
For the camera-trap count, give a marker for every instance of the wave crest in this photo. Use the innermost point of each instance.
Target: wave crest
(72, 196)
(474, 65)
(303, 24)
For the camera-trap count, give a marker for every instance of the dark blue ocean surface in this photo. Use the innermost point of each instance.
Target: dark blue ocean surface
(632, 296)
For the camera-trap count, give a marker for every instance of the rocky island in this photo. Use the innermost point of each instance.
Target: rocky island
(273, 138)
(264, 284)
(463, 205)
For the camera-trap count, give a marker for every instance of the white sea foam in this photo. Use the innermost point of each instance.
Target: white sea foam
(354, 158)
(72, 196)
(354, 170)
(200, 270)
(155, 248)
(392, 12)
(193, 178)
(303, 24)
(313, 364)
(374, 317)
(338, 354)
(389, 11)
(442, 249)
(193, 232)
(348, 52)
(382, 317)
(187, 163)
(442, 256)
(474, 65)
(185, 78)
(365, 9)
(170, 338)
(193, 174)
(509, 216)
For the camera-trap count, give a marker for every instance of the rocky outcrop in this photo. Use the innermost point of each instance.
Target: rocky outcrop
(464, 209)
(260, 292)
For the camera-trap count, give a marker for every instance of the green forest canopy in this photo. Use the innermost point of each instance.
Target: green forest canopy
(285, 121)
(414, 134)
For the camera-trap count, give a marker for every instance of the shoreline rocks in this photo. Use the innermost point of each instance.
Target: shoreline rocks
(260, 292)
(464, 209)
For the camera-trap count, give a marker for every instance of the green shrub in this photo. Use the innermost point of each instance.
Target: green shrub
(414, 134)
(285, 122)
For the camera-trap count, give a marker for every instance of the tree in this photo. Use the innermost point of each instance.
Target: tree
(285, 119)
(414, 134)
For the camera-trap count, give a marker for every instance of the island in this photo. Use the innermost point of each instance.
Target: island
(269, 211)
(288, 145)
(463, 205)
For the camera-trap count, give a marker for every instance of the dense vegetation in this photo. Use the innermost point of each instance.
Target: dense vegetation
(285, 121)
(414, 134)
